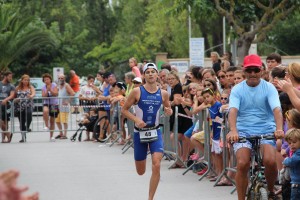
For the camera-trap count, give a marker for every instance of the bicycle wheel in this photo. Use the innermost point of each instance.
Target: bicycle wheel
(251, 195)
(100, 129)
(263, 194)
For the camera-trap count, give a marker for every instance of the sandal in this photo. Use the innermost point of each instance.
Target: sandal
(58, 136)
(176, 166)
(224, 183)
(213, 179)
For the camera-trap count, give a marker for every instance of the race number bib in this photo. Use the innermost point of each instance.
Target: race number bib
(148, 136)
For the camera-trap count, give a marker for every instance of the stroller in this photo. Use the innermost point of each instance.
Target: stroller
(85, 126)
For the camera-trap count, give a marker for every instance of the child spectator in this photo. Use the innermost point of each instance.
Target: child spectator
(224, 109)
(215, 115)
(292, 120)
(239, 76)
(118, 96)
(293, 138)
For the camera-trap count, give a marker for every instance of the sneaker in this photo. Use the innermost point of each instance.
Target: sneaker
(46, 128)
(202, 171)
(52, 139)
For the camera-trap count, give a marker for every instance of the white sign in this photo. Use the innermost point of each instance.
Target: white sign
(253, 49)
(182, 66)
(197, 52)
(56, 72)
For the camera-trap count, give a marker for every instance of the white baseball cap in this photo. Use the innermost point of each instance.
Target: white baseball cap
(149, 66)
(137, 79)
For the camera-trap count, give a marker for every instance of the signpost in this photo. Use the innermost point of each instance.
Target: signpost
(197, 52)
(57, 71)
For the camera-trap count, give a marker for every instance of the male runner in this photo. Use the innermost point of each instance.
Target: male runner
(147, 100)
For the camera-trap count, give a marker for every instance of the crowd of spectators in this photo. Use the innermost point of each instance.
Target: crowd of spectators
(198, 89)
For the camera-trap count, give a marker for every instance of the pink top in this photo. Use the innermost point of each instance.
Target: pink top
(136, 71)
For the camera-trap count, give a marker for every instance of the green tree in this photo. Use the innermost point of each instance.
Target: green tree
(286, 35)
(251, 20)
(19, 34)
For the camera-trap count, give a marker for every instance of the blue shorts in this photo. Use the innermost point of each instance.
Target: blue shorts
(75, 100)
(141, 149)
(189, 132)
(247, 144)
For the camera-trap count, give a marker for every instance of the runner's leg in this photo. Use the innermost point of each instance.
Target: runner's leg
(156, 159)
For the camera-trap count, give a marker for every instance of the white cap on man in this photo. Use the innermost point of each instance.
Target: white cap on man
(149, 66)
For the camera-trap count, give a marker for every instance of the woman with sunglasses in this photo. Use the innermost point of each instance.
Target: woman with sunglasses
(223, 81)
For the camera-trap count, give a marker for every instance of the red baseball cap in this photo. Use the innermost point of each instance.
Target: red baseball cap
(252, 60)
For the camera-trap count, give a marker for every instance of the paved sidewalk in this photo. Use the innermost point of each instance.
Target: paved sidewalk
(64, 170)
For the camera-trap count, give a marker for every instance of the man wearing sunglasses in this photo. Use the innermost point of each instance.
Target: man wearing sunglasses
(254, 110)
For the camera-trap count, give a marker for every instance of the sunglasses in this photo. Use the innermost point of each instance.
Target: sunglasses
(250, 70)
(208, 89)
(136, 82)
(190, 89)
(224, 98)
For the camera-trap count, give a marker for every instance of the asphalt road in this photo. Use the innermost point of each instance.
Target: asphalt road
(65, 170)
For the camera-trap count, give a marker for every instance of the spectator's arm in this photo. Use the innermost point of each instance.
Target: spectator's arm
(32, 91)
(70, 91)
(10, 97)
(287, 162)
(54, 91)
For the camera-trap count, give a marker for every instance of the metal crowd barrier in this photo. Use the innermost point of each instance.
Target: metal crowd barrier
(130, 130)
(115, 135)
(172, 151)
(5, 116)
(207, 150)
(200, 118)
(226, 158)
(32, 119)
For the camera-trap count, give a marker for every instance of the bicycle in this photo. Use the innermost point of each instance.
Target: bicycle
(257, 189)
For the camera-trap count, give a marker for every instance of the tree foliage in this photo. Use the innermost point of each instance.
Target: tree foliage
(86, 35)
(18, 35)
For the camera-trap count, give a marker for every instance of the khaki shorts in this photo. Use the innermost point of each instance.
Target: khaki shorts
(62, 117)
(199, 137)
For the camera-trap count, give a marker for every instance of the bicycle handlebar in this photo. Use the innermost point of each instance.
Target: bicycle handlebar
(257, 137)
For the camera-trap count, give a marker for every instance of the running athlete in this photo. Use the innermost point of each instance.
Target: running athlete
(147, 100)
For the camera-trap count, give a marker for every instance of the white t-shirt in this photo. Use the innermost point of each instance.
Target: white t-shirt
(87, 92)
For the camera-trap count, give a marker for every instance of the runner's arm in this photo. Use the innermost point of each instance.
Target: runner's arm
(131, 100)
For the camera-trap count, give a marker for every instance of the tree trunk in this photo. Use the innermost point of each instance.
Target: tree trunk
(243, 46)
